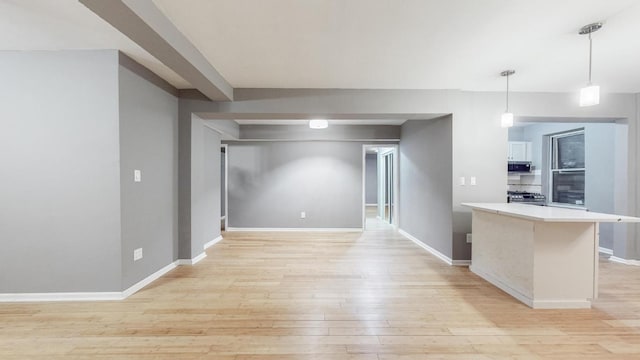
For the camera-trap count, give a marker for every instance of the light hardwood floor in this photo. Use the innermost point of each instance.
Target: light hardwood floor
(325, 296)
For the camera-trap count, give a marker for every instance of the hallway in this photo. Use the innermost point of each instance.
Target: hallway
(371, 295)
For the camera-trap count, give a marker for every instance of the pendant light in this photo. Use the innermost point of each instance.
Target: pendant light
(507, 117)
(318, 124)
(590, 95)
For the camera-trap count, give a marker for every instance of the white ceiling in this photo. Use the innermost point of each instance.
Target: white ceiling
(377, 44)
(414, 44)
(67, 24)
(331, 122)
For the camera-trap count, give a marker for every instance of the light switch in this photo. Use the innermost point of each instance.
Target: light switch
(472, 181)
(461, 181)
(137, 175)
(137, 254)
(303, 215)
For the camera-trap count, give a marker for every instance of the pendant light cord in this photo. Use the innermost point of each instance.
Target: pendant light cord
(507, 110)
(590, 55)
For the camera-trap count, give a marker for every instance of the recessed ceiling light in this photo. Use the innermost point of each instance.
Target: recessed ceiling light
(318, 124)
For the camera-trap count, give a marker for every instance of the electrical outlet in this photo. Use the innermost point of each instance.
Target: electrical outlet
(469, 238)
(303, 215)
(137, 254)
(472, 181)
(137, 175)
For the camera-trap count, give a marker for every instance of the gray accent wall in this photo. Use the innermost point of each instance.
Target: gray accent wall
(425, 182)
(60, 177)
(149, 209)
(270, 183)
(371, 179)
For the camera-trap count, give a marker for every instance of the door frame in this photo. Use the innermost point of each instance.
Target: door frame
(395, 150)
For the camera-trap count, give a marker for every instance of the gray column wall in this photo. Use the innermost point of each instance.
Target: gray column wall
(189, 103)
(371, 179)
(205, 186)
(60, 177)
(271, 183)
(425, 182)
(149, 209)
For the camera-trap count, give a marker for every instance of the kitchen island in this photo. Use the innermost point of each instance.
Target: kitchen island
(546, 257)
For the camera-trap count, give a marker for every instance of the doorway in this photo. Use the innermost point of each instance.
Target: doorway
(380, 186)
(224, 218)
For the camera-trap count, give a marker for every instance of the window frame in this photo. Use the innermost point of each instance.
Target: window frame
(553, 161)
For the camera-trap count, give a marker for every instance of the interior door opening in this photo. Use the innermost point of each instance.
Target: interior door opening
(380, 186)
(224, 218)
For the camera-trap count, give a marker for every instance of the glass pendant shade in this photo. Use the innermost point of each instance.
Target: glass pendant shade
(590, 95)
(506, 120)
(318, 124)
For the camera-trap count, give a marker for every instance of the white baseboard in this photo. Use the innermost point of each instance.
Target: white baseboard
(535, 304)
(193, 261)
(102, 296)
(222, 217)
(371, 204)
(148, 280)
(63, 296)
(88, 296)
(212, 242)
(605, 251)
(624, 261)
(297, 229)
(561, 304)
(434, 252)
(461, 262)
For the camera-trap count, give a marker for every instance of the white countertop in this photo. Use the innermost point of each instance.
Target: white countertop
(548, 213)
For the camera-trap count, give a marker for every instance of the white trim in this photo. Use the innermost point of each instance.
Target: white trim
(63, 296)
(212, 242)
(88, 296)
(461, 262)
(535, 304)
(624, 261)
(297, 229)
(148, 280)
(434, 252)
(370, 205)
(193, 261)
(561, 304)
(605, 251)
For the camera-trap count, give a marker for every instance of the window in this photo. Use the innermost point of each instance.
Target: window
(567, 168)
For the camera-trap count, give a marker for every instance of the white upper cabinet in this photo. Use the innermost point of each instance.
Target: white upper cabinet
(519, 151)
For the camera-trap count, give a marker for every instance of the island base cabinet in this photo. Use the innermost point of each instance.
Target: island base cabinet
(546, 265)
